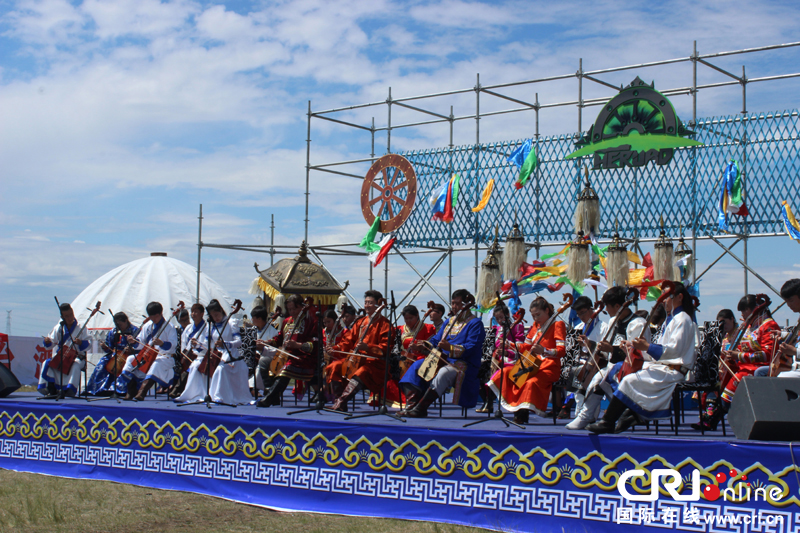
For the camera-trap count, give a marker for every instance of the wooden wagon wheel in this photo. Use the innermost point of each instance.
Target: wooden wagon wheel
(387, 177)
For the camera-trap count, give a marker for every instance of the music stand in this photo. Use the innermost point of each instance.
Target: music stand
(383, 410)
(320, 404)
(498, 414)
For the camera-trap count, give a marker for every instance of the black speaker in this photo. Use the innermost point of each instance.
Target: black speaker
(8, 381)
(766, 409)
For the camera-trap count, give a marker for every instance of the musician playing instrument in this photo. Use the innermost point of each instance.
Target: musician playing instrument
(753, 351)
(66, 334)
(332, 333)
(191, 385)
(297, 337)
(413, 332)
(265, 331)
(375, 339)
(514, 335)
(461, 340)
(790, 292)
(335, 382)
(590, 332)
(183, 319)
(158, 332)
(229, 382)
(787, 352)
(646, 394)
(535, 392)
(628, 326)
(101, 383)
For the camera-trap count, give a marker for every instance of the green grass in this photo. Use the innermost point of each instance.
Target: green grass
(33, 503)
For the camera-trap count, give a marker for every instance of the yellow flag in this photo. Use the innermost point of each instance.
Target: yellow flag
(636, 277)
(633, 258)
(487, 193)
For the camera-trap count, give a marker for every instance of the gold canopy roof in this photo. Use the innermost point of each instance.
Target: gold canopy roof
(299, 275)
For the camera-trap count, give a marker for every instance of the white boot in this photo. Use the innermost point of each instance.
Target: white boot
(588, 413)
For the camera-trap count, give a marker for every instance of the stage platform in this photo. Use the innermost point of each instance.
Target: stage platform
(542, 478)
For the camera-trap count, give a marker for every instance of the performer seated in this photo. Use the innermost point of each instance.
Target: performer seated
(412, 334)
(589, 332)
(157, 332)
(183, 320)
(332, 333)
(628, 326)
(789, 352)
(297, 336)
(516, 334)
(369, 370)
(463, 345)
(708, 399)
(229, 382)
(192, 384)
(535, 392)
(265, 331)
(754, 351)
(102, 382)
(65, 335)
(646, 394)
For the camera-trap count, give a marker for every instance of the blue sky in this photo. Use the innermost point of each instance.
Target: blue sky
(120, 118)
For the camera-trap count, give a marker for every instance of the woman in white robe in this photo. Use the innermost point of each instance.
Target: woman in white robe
(646, 394)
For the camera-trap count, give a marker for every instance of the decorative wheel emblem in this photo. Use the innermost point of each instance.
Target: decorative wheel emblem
(393, 184)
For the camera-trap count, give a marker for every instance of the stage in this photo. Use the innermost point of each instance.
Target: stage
(543, 478)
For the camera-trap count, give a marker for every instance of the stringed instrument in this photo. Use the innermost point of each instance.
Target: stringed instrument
(499, 353)
(117, 360)
(407, 359)
(188, 357)
(725, 371)
(592, 364)
(281, 354)
(147, 355)
(781, 363)
(435, 358)
(634, 360)
(330, 337)
(528, 363)
(66, 355)
(213, 356)
(353, 360)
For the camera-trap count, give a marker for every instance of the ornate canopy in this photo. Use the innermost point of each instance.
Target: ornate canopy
(299, 276)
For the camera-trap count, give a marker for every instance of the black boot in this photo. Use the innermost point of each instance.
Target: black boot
(608, 422)
(488, 403)
(626, 421)
(273, 396)
(421, 409)
(412, 399)
(131, 391)
(521, 416)
(146, 384)
(353, 386)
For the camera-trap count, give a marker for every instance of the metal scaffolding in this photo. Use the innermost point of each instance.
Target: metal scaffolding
(638, 232)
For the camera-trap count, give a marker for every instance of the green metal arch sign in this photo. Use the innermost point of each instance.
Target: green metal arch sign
(635, 127)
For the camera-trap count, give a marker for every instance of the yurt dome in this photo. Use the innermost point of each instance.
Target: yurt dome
(130, 287)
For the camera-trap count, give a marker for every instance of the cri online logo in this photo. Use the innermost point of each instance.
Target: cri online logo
(672, 480)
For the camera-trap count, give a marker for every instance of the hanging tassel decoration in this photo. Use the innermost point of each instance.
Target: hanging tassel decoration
(489, 281)
(342, 300)
(684, 265)
(617, 262)
(663, 257)
(587, 211)
(514, 253)
(280, 301)
(580, 262)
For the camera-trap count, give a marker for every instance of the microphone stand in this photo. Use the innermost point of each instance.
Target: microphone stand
(382, 410)
(498, 414)
(207, 401)
(320, 404)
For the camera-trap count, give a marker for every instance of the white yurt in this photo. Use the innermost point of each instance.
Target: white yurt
(130, 287)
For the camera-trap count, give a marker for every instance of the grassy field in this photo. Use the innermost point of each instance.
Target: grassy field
(33, 503)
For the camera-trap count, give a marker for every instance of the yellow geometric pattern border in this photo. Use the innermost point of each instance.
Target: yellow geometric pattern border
(532, 466)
